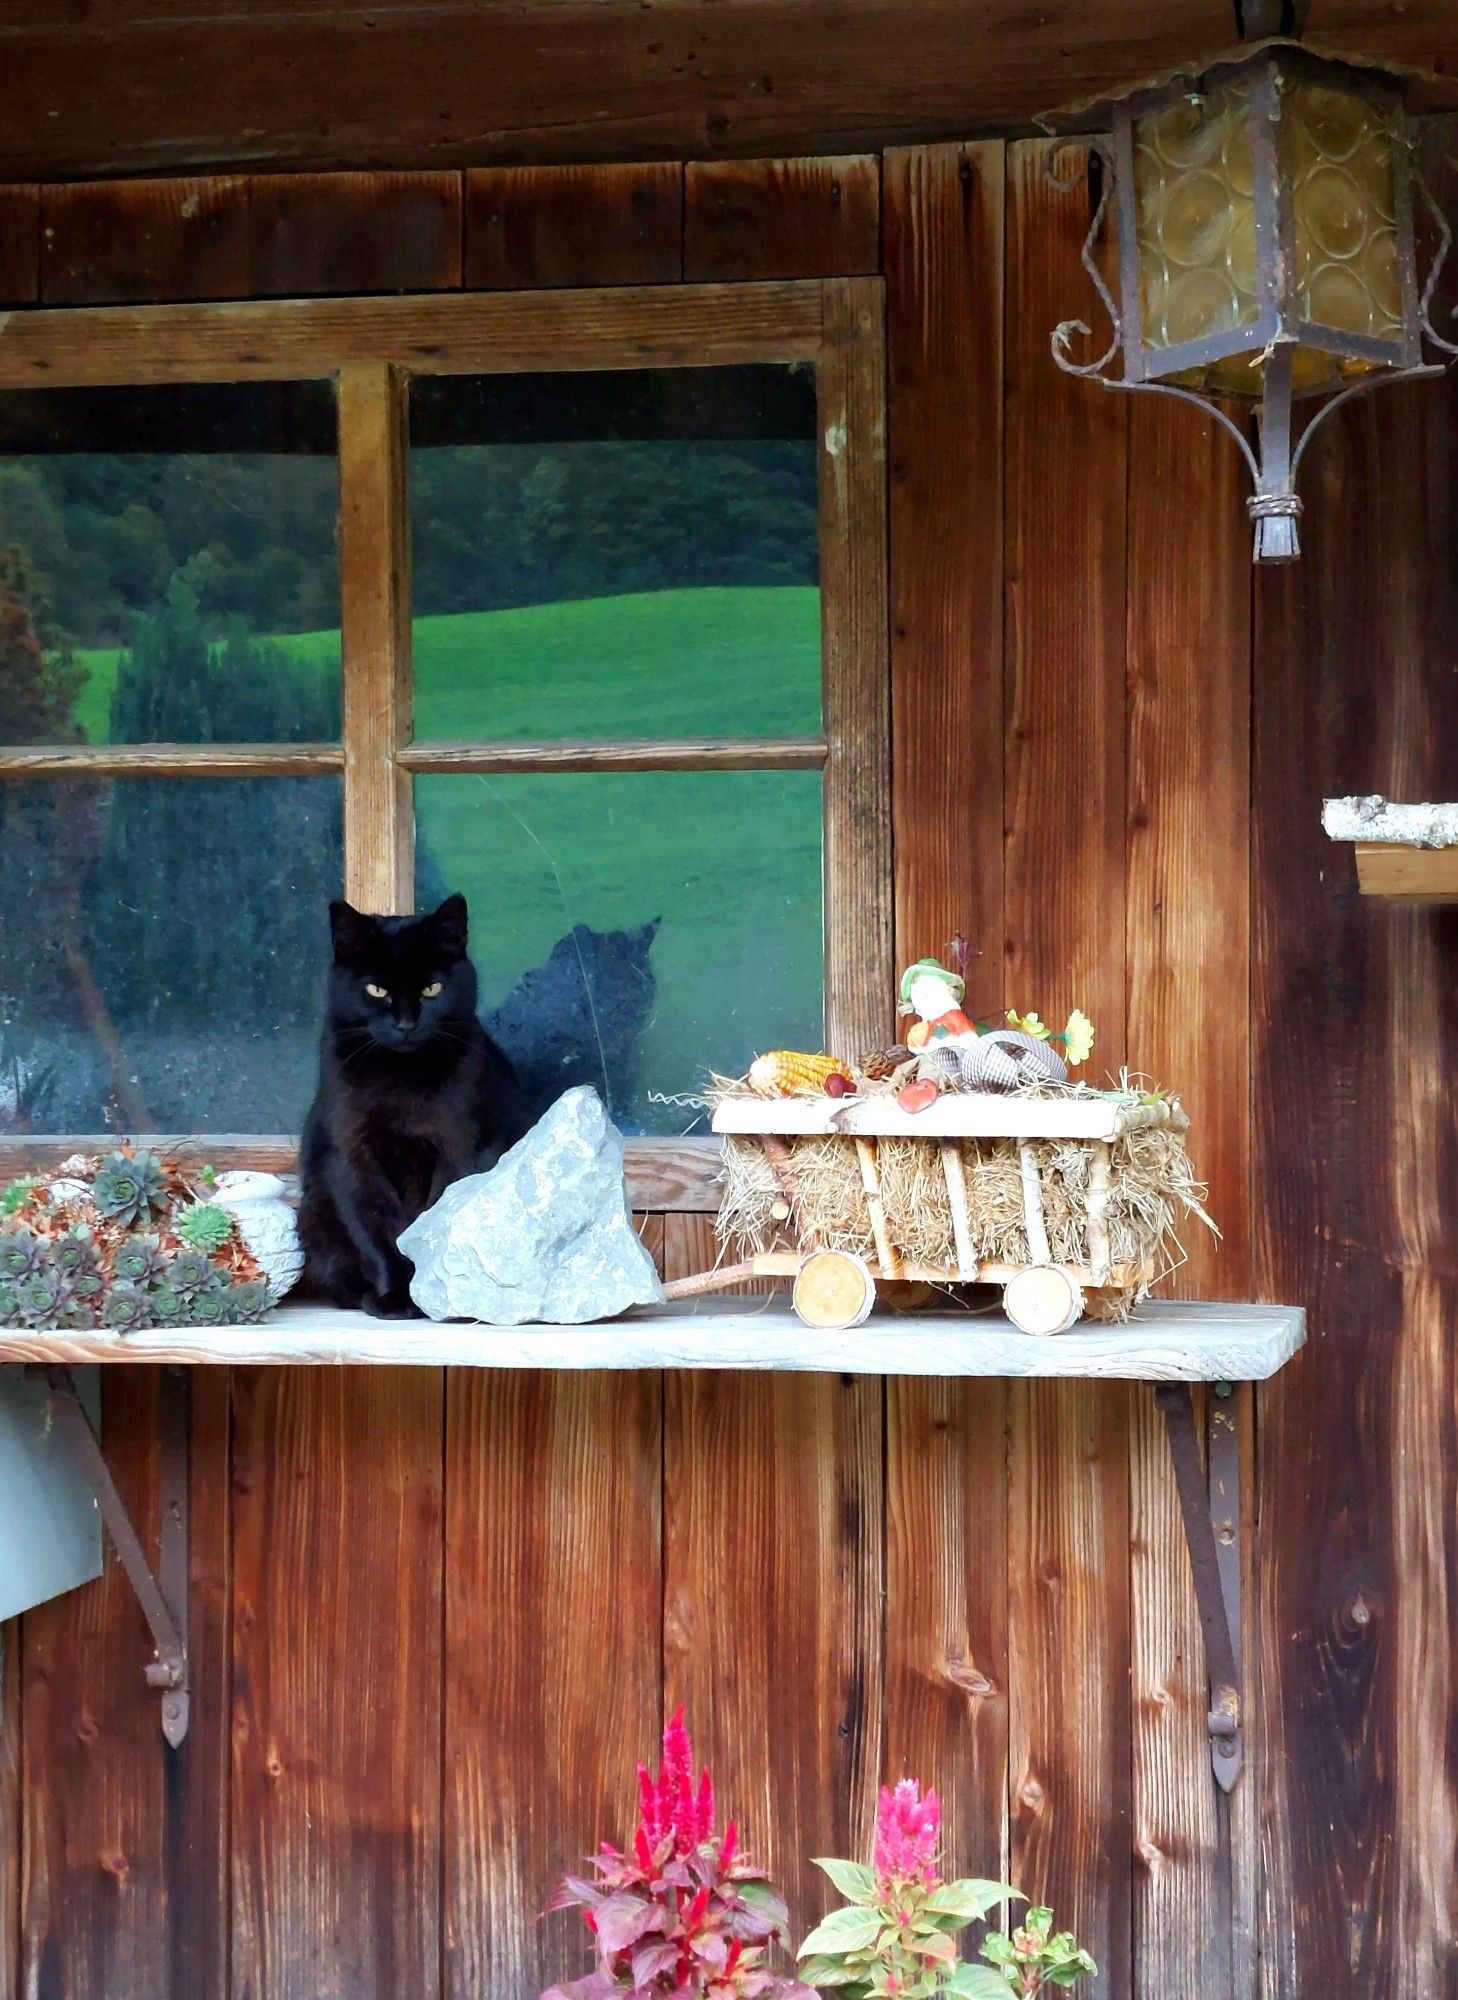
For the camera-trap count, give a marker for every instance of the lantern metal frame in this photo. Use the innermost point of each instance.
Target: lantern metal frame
(1280, 326)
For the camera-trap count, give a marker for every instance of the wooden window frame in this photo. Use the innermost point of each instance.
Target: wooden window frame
(371, 347)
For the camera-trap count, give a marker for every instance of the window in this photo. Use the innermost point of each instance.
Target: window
(600, 641)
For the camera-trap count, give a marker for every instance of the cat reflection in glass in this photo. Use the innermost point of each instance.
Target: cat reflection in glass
(413, 1094)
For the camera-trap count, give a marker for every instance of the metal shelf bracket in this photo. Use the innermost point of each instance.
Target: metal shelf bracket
(1210, 1509)
(163, 1597)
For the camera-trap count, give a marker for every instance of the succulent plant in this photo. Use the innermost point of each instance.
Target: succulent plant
(130, 1190)
(22, 1253)
(205, 1226)
(190, 1272)
(9, 1302)
(167, 1308)
(72, 1253)
(139, 1261)
(214, 1306)
(87, 1286)
(14, 1197)
(78, 1316)
(128, 1308)
(43, 1298)
(249, 1301)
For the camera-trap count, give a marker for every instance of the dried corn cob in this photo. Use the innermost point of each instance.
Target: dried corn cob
(786, 1070)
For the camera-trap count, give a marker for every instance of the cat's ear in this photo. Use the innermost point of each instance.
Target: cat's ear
(450, 922)
(354, 933)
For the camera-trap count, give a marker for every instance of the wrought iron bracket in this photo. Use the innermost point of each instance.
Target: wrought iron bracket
(1210, 1509)
(163, 1597)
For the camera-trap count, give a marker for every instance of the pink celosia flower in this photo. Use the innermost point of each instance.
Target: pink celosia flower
(908, 1829)
(671, 1805)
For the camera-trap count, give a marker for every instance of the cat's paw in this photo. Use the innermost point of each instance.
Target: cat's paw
(391, 1305)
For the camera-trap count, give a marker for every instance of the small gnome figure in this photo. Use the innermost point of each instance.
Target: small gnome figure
(943, 1037)
(934, 995)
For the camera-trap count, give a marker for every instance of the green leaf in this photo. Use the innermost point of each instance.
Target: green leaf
(1038, 1922)
(823, 1971)
(997, 1948)
(855, 1881)
(937, 1946)
(843, 1930)
(969, 1898)
(978, 1982)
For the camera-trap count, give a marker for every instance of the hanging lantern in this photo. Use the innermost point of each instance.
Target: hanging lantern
(1267, 247)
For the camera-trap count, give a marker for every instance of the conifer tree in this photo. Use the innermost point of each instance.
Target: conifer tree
(208, 896)
(47, 830)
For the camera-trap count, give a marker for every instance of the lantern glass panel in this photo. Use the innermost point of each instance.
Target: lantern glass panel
(1194, 187)
(1340, 154)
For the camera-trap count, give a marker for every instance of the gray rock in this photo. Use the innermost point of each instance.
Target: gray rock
(546, 1235)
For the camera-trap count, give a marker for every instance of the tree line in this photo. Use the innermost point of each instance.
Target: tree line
(494, 527)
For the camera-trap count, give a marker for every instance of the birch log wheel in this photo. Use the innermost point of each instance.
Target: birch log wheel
(834, 1289)
(1044, 1298)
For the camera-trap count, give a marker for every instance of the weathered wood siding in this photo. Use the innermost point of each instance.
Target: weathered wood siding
(435, 1619)
(159, 86)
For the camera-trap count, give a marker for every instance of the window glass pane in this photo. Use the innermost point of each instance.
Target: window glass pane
(162, 950)
(613, 555)
(168, 565)
(634, 930)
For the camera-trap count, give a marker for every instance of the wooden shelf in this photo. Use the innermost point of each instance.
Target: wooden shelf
(1407, 874)
(1163, 1343)
(1406, 852)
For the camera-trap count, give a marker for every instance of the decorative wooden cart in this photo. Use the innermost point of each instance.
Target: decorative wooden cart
(835, 1287)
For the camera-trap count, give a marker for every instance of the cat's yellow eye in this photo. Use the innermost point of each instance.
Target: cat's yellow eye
(429, 992)
(376, 992)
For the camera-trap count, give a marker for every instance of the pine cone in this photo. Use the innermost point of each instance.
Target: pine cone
(880, 1065)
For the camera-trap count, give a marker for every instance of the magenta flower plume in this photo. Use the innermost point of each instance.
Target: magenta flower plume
(671, 1805)
(908, 1832)
(681, 1915)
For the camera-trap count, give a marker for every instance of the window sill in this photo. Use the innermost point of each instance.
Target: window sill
(1162, 1343)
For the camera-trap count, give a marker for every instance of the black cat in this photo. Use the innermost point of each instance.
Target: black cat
(413, 1094)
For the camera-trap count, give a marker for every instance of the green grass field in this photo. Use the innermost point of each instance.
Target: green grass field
(718, 662)
(729, 861)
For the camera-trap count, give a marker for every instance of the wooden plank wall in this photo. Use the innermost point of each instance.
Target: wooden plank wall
(147, 86)
(946, 1662)
(436, 1619)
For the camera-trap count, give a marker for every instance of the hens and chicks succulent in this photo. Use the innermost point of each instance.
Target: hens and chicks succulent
(127, 1241)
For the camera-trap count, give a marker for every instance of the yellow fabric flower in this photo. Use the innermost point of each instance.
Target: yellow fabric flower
(1028, 1024)
(1078, 1038)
